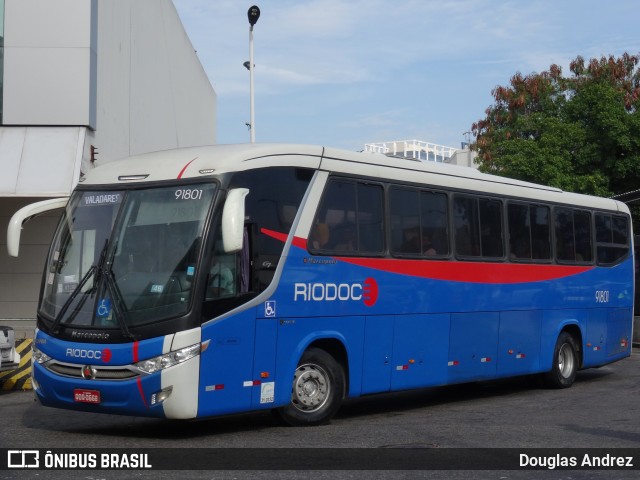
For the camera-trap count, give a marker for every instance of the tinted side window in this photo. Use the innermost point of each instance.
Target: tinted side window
(350, 219)
(466, 222)
(519, 232)
(565, 242)
(540, 232)
(529, 232)
(418, 222)
(612, 238)
(582, 224)
(274, 197)
(434, 219)
(491, 228)
(573, 235)
(478, 227)
(404, 210)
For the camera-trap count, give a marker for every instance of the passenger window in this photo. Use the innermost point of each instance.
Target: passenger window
(573, 235)
(528, 232)
(582, 223)
(434, 218)
(491, 228)
(612, 238)
(478, 225)
(540, 217)
(404, 206)
(565, 241)
(350, 219)
(467, 226)
(418, 222)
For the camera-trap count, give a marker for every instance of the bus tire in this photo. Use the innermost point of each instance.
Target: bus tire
(565, 363)
(317, 390)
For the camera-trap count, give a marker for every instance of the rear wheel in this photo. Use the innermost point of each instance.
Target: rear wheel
(565, 363)
(317, 390)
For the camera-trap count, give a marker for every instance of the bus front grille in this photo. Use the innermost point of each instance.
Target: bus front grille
(75, 371)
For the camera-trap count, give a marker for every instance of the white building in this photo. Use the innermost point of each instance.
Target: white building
(425, 152)
(83, 80)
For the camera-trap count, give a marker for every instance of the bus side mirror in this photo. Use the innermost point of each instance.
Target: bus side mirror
(24, 214)
(233, 220)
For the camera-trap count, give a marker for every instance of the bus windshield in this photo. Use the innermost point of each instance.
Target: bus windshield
(126, 258)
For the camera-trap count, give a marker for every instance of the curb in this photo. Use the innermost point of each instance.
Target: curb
(20, 378)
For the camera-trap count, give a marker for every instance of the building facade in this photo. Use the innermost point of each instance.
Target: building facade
(425, 152)
(84, 82)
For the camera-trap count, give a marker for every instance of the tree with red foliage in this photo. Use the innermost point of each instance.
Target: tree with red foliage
(580, 133)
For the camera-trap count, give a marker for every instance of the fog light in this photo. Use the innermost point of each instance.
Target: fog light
(161, 396)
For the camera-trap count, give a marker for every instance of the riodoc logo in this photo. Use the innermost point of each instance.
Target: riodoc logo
(102, 355)
(367, 292)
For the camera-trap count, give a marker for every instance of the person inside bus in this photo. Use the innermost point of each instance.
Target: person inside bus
(427, 246)
(347, 238)
(411, 240)
(220, 277)
(319, 236)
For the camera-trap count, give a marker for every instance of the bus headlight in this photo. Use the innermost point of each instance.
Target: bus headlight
(38, 356)
(168, 359)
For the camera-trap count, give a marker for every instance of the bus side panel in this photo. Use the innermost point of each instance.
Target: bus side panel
(473, 346)
(227, 365)
(619, 324)
(594, 352)
(519, 343)
(295, 335)
(264, 363)
(419, 351)
(377, 352)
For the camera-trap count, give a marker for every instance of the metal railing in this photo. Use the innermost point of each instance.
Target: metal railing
(413, 149)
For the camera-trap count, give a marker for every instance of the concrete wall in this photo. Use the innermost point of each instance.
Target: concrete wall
(20, 277)
(120, 75)
(153, 93)
(50, 61)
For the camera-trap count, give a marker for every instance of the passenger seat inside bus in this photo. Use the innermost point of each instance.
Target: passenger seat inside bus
(320, 236)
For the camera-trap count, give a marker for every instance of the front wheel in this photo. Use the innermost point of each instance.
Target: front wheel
(565, 363)
(316, 392)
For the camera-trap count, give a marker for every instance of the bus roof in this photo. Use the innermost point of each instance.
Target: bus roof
(205, 161)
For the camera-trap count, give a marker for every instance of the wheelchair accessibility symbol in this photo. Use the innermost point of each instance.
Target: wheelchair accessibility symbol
(104, 308)
(270, 308)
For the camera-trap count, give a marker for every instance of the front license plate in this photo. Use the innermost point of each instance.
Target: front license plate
(86, 396)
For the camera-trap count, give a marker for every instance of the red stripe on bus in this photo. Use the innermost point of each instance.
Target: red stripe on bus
(135, 351)
(470, 272)
(480, 272)
(297, 241)
(185, 167)
(139, 383)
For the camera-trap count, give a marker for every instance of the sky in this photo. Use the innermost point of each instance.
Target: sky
(343, 73)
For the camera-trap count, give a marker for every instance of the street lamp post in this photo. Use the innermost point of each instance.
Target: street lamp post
(253, 14)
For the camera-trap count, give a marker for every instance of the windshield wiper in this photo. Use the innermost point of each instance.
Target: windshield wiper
(73, 295)
(105, 274)
(113, 292)
(93, 269)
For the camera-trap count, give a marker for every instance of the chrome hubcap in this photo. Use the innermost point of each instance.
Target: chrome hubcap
(311, 388)
(565, 360)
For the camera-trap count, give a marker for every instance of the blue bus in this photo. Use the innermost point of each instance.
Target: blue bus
(233, 278)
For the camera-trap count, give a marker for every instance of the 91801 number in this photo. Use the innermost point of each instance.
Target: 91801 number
(188, 194)
(602, 296)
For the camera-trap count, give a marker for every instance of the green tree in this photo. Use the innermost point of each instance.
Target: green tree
(580, 133)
